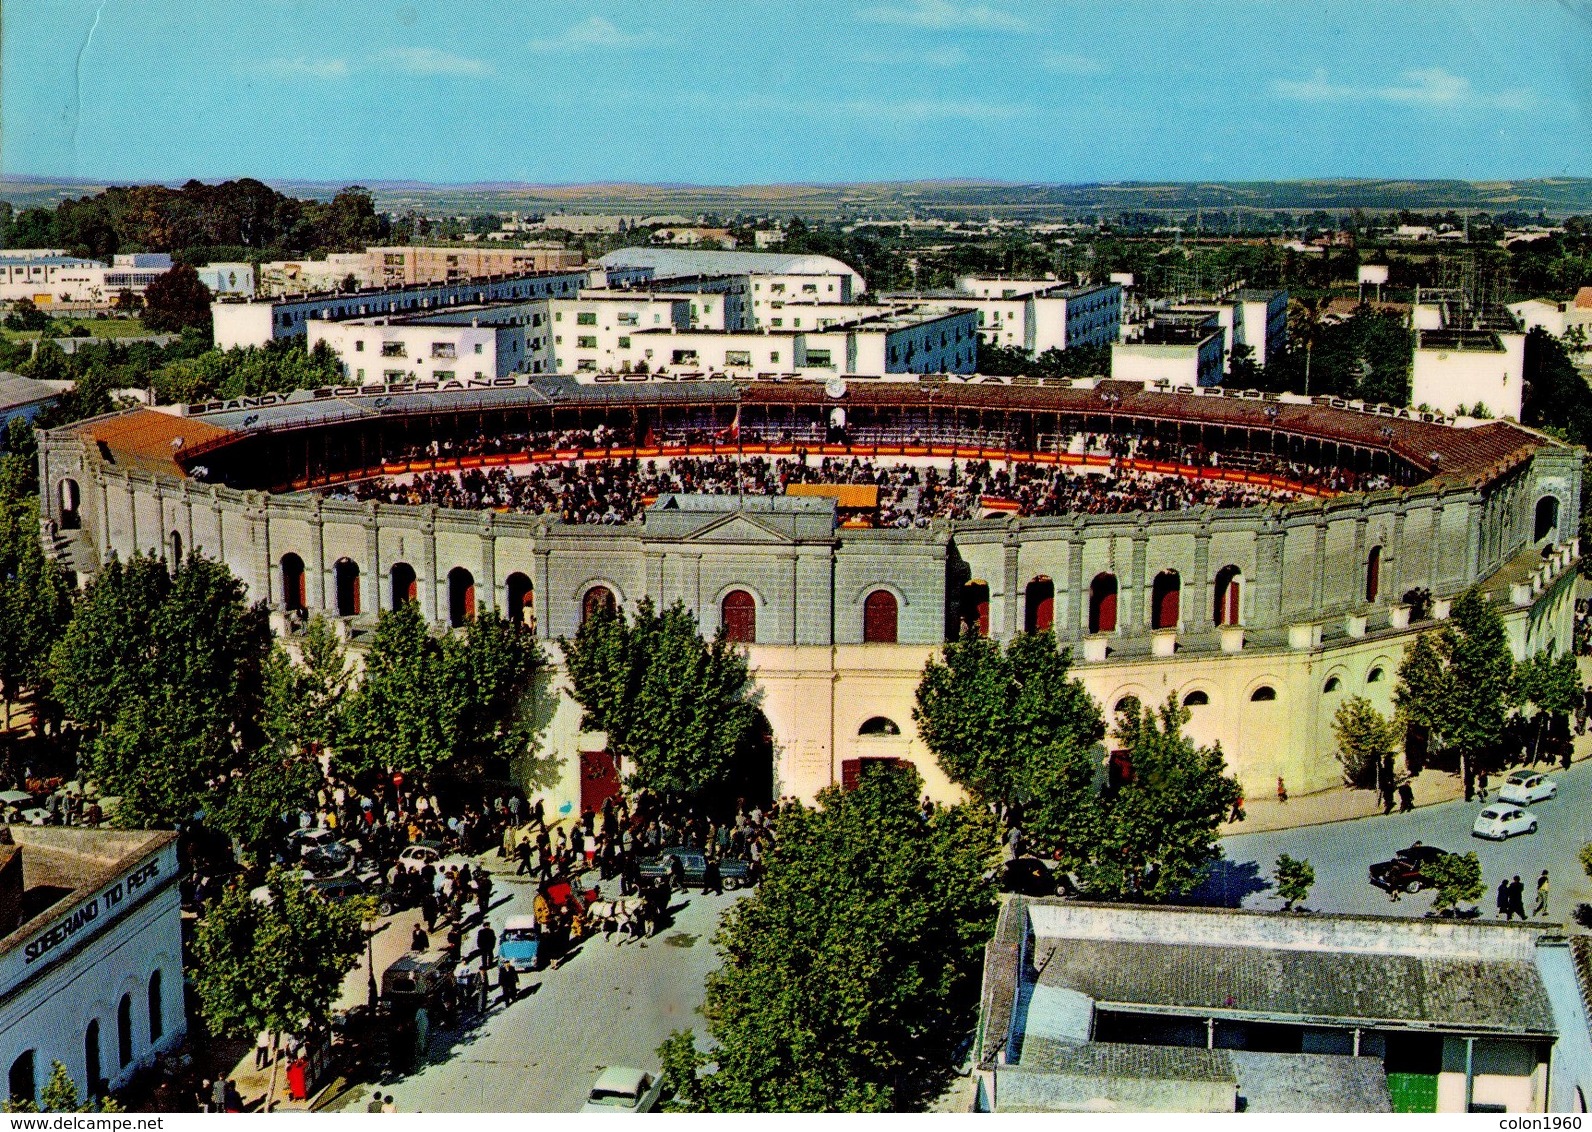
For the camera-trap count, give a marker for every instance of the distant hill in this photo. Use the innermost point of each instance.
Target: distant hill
(1557, 196)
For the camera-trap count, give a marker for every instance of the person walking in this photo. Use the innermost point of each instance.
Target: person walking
(485, 943)
(428, 909)
(712, 876)
(522, 854)
(1406, 798)
(389, 1103)
(419, 940)
(1517, 899)
(1540, 908)
(262, 1049)
(218, 1094)
(508, 984)
(374, 1104)
(1481, 787)
(1503, 899)
(1282, 790)
(483, 891)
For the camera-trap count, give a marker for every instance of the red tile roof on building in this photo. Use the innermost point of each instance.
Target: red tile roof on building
(147, 441)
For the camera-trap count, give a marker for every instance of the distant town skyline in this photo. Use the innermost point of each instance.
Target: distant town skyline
(692, 92)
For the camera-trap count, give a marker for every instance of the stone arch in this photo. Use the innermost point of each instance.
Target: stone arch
(1166, 593)
(93, 1075)
(597, 595)
(22, 1082)
(175, 546)
(1263, 691)
(405, 584)
(1039, 604)
(71, 500)
(124, 1032)
(521, 596)
(461, 596)
(879, 726)
(973, 606)
(1373, 573)
(738, 616)
(345, 587)
(1227, 597)
(1196, 697)
(155, 1007)
(292, 569)
(1103, 603)
(1546, 519)
(880, 617)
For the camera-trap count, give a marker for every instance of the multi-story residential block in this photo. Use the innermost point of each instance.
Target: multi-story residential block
(1036, 315)
(411, 264)
(1184, 349)
(596, 331)
(466, 342)
(1265, 321)
(1466, 356)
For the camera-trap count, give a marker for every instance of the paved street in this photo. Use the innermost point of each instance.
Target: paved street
(1342, 852)
(611, 1003)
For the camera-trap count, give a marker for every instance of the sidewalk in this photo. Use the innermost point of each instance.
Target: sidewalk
(1432, 787)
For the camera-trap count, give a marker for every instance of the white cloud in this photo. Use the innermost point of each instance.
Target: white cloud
(1425, 86)
(431, 61)
(1062, 63)
(943, 15)
(592, 33)
(302, 67)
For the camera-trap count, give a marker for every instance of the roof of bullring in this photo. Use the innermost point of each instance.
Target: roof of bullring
(147, 441)
(1450, 454)
(1501, 995)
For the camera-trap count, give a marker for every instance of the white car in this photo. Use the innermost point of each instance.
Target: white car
(620, 1088)
(1524, 787)
(1501, 822)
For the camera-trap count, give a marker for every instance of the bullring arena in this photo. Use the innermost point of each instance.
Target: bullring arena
(1260, 558)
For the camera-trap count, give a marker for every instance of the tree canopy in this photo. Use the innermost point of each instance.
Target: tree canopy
(176, 300)
(1458, 682)
(1366, 739)
(675, 707)
(430, 702)
(850, 978)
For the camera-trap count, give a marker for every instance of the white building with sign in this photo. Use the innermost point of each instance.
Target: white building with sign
(91, 955)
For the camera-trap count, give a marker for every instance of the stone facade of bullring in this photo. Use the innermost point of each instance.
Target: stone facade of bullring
(1309, 630)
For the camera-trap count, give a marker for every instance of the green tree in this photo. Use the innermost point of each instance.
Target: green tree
(1013, 727)
(850, 978)
(428, 701)
(60, 1095)
(1424, 687)
(1157, 832)
(1366, 739)
(1456, 879)
(167, 669)
(675, 707)
(26, 316)
(274, 964)
(1294, 879)
(177, 299)
(1481, 668)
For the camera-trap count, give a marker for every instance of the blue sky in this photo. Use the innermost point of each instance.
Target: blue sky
(736, 93)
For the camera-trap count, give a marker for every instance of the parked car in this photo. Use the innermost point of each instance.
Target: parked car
(416, 857)
(303, 842)
(418, 979)
(1524, 787)
(1403, 871)
(1503, 821)
(349, 886)
(331, 859)
(694, 862)
(620, 1088)
(520, 944)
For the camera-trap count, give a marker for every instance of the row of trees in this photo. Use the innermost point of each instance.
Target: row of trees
(230, 220)
(1459, 692)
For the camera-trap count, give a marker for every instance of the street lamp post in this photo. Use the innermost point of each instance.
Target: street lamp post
(370, 969)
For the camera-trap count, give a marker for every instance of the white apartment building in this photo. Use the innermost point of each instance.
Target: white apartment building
(771, 292)
(1466, 357)
(911, 340)
(1185, 350)
(1228, 315)
(1038, 315)
(228, 278)
(47, 279)
(307, 276)
(595, 331)
(1265, 321)
(715, 302)
(470, 342)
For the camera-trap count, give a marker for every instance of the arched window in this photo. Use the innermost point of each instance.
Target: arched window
(157, 1014)
(879, 618)
(1229, 583)
(23, 1083)
(1373, 573)
(598, 598)
(91, 1059)
(71, 519)
(975, 606)
(1547, 518)
(405, 584)
(345, 575)
(879, 725)
(738, 616)
(176, 549)
(461, 596)
(1127, 704)
(1165, 592)
(1263, 694)
(1196, 699)
(1103, 604)
(1332, 685)
(1374, 676)
(1039, 605)
(124, 1031)
(293, 583)
(521, 610)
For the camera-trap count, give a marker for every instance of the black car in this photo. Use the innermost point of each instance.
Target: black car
(1404, 871)
(349, 886)
(693, 865)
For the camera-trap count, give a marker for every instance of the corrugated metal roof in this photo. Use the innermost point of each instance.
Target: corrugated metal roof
(690, 261)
